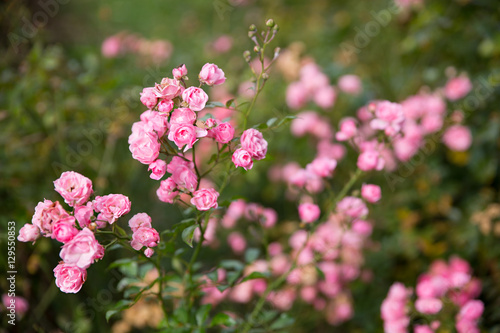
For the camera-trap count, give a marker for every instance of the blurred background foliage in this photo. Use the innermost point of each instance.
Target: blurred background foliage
(63, 106)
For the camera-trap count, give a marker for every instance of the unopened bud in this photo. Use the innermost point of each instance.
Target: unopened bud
(270, 23)
(276, 52)
(251, 34)
(252, 28)
(247, 55)
(92, 226)
(265, 76)
(276, 28)
(256, 49)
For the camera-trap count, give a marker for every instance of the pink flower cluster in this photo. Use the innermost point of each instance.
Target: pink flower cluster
(253, 147)
(405, 125)
(143, 234)
(395, 309)
(444, 285)
(155, 51)
(173, 118)
(80, 247)
(313, 85)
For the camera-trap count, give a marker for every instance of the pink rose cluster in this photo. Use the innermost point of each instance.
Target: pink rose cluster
(446, 288)
(155, 51)
(405, 125)
(340, 253)
(172, 120)
(80, 247)
(253, 147)
(143, 235)
(313, 85)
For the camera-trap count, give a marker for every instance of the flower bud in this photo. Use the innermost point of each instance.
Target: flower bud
(252, 27)
(270, 23)
(256, 49)
(247, 56)
(265, 76)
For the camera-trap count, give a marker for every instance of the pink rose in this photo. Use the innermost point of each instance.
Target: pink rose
(211, 74)
(325, 97)
(144, 236)
(179, 72)
(168, 89)
(111, 47)
(422, 329)
(140, 220)
(156, 120)
(28, 233)
(347, 129)
(389, 117)
(204, 199)
(74, 188)
(158, 169)
(183, 116)
(370, 160)
(296, 95)
(47, 213)
(309, 212)
(82, 250)
(268, 218)
(371, 193)
(457, 138)
(223, 133)
(69, 278)
(428, 305)
(237, 242)
(457, 88)
(112, 206)
(353, 207)
(149, 252)
(83, 214)
(64, 230)
(184, 135)
(185, 178)
(322, 166)
(242, 158)
(167, 190)
(472, 310)
(350, 84)
(148, 97)
(253, 142)
(144, 145)
(165, 106)
(195, 97)
(177, 162)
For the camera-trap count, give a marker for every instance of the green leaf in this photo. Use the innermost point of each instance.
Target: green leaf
(188, 234)
(232, 264)
(230, 103)
(214, 104)
(255, 275)
(271, 121)
(222, 287)
(251, 255)
(320, 272)
(222, 319)
(283, 321)
(118, 307)
(213, 276)
(202, 314)
(126, 266)
(233, 276)
(285, 120)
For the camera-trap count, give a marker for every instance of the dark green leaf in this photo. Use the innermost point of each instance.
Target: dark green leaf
(188, 234)
(222, 319)
(202, 314)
